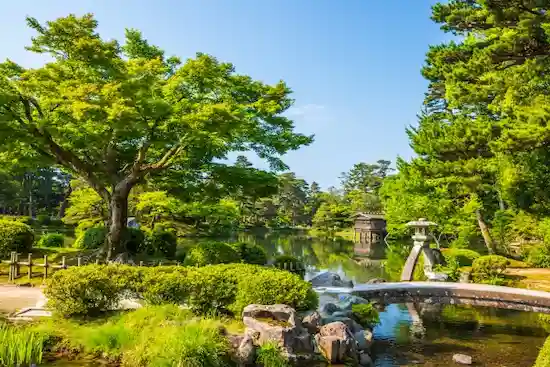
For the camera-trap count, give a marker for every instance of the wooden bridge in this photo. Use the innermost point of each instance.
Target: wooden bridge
(456, 293)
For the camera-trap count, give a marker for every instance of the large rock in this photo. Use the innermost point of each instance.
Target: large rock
(347, 301)
(312, 322)
(365, 360)
(329, 308)
(352, 325)
(246, 352)
(364, 339)
(279, 324)
(336, 343)
(462, 359)
(329, 279)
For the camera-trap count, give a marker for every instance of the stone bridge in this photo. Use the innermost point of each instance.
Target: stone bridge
(456, 293)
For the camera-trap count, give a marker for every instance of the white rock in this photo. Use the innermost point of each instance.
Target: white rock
(462, 359)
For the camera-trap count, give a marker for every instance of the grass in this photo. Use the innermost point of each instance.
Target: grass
(152, 336)
(543, 359)
(20, 346)
(269, 355)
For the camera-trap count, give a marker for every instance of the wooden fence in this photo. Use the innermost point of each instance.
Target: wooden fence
(15, 265)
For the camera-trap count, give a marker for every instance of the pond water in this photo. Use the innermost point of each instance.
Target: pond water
(412, 335)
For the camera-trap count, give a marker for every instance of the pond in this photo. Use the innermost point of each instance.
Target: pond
(426, 335)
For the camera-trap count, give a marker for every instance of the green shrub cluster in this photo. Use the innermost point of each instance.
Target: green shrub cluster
(464, 257)
(43, 219)
(161, 243)
(250, 253)
(92, 238)
(17, 218)
(15, 236)
(51, 240)
(208, 253)
(539, 256)
(133, 240)
(208, 290)
(489, 268)
(365, 314)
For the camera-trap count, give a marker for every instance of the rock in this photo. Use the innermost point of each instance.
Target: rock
(346, 302)
(350, 323)
(312, 322)
(279, 324)
(329, 279)
(363, 339)
(342, 314)
(329, 308)
(336, 343)
(365, 360)
(246, 353)
(462, 359)
(436, 277)
(376, 281)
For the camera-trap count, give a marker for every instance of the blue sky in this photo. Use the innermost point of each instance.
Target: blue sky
(354, 65)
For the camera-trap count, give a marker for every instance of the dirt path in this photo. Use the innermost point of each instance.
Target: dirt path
(13, 298)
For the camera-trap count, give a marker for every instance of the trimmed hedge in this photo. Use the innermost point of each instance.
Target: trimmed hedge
(133, 240)
(161, 242)
(464, 257)
(210, 253)
(51, 240)
(490, 267)
(208, 290)
(250, 253)
(539, 256)
(15, 236)
(91, 239)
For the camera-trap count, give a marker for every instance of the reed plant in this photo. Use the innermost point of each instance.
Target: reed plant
(19, 346)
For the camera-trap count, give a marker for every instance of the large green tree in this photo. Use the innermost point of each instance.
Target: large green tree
(115, 114)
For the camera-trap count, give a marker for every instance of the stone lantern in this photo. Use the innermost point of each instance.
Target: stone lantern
(421, 246)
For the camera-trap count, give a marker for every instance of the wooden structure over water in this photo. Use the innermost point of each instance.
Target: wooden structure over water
(369, 232)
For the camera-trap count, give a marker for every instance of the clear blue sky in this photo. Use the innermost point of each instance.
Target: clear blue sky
(354, 65)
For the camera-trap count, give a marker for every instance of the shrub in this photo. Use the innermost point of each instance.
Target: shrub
(489, 267)
(15, 236)
(272, 286)
(160, 242)
(464, 257)
(452, 269)
(543, 359)
(51, 240)
(84, 290)
(212, 290)
(210, 253)
(250, 253)
(365, 314)
(17, 218)
(162, 287)
(43, 219)
(290, 263)
(84, 225)
(133, 240)
(92, 238)
(539, 256)
(270, 355)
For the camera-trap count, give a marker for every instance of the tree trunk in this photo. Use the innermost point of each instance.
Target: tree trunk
(65, 202)
(118, 220)
(485, 233)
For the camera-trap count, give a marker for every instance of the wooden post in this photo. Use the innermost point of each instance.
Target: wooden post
(16, 261)
(63, 262)
(45, 267)
(141, 263)
(29, 260)
(78, 261)
(160, 263)
(10, 275)
(97, 261)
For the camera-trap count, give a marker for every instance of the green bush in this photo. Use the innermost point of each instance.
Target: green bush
(270, 355)
(273, 286)
(211, 253)
(543, 359)
(464, 257)
(166, 287)
(160, 242)
(539, 256)
(84, 225)
(51, 240)
(133, 240)
(291, 264)
(487, 268)
(83, 290)
(15, 236)
(365, 314)
(17, 218)
(250, 253)
(43, 219)
(92, 238)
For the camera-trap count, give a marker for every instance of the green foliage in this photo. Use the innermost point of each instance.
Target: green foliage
(16, 218)
(132, 238)
(543, 359)
(270, 354)
(15, 236)
(452, 269)
(20, 346)
(207, 253)
(250, 253)
(162, 286)
(290, 263)
(43, 219)
(51, 240)
(365, 314)
(464, 257)
(93, 238)
(161, 242)
(539, 256)
(489, 268)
